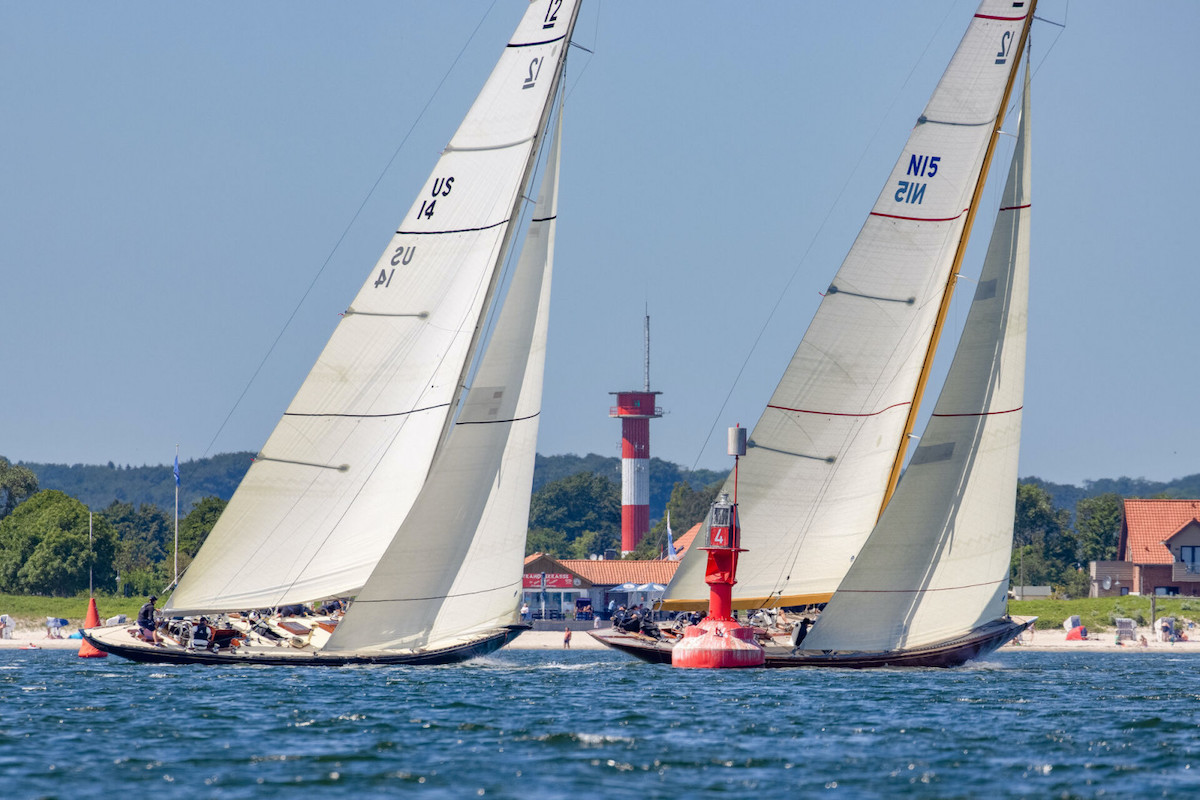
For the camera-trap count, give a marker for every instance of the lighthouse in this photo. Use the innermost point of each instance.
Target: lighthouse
(635, 409)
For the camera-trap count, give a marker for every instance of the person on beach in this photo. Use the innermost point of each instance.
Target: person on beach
(566, 638)
(147, 625)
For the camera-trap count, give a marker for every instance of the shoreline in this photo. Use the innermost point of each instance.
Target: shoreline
(1042, 641)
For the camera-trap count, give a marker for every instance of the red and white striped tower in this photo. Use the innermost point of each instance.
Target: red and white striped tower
(636, 409)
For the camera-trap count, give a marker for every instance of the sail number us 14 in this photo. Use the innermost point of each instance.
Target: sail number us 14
(401, 257)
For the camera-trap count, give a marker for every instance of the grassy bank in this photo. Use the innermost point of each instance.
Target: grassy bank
(1096, 613)
(32, 610)
(1099, 613)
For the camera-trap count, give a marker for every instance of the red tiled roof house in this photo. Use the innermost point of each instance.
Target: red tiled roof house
(1158, 553)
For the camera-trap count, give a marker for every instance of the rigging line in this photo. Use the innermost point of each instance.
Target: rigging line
(592, 51)
(515, 250)
(813, 240)
(346, 230)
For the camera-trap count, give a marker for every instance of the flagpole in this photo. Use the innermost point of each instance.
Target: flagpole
(176, 514)
(91, 555)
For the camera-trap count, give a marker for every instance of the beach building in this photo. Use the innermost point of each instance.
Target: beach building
(559, 588)
(1158, 552)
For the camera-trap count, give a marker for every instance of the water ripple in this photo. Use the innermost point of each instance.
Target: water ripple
(532, 725)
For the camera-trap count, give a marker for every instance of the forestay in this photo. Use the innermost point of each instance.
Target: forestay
(341, 470)
(812, 485)
(936, 566)
(454, 569)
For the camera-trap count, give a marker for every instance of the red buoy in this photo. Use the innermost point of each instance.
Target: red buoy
(86, 648)
(719, 641)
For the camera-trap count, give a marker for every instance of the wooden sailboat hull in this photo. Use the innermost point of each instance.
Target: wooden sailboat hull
(110, 641)
(950, 653)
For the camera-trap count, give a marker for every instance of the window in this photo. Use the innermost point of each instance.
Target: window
(1190, 556)
(1166, 591)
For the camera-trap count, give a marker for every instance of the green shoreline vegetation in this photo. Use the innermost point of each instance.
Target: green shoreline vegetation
(30, 611)
(63, 528)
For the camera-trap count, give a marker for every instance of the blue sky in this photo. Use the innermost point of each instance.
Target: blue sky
(174, 177)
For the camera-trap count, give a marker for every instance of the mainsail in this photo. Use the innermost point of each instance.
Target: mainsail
(338, 476)
(937, 564)
(824, 450)
(455, 566)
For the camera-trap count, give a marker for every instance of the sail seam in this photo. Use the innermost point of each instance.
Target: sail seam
(545, 219)
(367, 416)
(924, 120)
(1001, 19)
(919, 219)
(436, 596)
(450, 148)
(460, 230)
(497, 421)
(837, 413)
(981, 413)
(535, 44)
(921, 591)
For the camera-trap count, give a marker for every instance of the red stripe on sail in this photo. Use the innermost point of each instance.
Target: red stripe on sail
(1014, 208)
(920, 219)
(1002, 19)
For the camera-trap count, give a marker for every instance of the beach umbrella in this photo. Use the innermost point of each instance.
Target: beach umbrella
(626, 587)
(651, 587)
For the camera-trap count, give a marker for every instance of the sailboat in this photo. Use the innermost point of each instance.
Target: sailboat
(915, 573)
(401, 473)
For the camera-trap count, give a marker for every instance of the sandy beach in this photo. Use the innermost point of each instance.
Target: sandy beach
(1048, 640)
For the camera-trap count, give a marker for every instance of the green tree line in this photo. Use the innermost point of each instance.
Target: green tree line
(51, 544)
(575, 511)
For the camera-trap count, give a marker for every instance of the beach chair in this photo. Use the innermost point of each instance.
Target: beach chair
(8, 625)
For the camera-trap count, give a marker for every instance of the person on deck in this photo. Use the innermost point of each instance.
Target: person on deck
(202, 634)
(799, 633)
(147, 625)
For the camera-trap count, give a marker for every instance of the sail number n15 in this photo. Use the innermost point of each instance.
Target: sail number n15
(921, 167)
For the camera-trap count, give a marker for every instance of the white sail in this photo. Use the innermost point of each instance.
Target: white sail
(454, 569)
(936, 566)
(812, 484)
(341, 470)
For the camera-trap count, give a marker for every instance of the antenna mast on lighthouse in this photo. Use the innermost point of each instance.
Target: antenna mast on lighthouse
(635, 410)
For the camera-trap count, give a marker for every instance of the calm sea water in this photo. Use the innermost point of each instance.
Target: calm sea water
(533, 724)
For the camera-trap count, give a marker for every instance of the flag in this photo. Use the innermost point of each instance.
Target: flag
(671, 554)
(176, 470)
